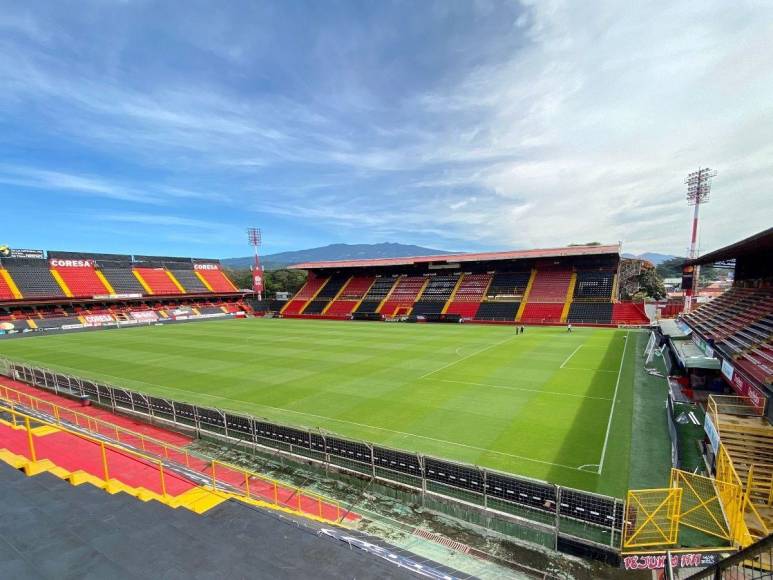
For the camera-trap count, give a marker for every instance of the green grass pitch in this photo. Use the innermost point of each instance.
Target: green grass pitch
(546, 404)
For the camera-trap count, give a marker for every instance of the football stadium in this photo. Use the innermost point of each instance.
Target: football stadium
(473, 330)
(514, 385)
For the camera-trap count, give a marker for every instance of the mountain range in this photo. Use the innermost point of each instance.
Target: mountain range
(335, 252)
(369, 251)
(653, 257)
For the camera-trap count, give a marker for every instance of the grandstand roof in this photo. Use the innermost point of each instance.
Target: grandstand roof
(476, 257)
(761, 242)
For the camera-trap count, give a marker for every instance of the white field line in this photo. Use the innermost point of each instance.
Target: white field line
(468, 356)
(590, 370)
(614, 400)
(540, 391)
(570, 356)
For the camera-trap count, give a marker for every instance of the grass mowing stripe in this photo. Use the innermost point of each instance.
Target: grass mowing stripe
(542, 391)
(472, 354)
(507, 405)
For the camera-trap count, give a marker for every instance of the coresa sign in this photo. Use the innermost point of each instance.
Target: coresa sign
(206, 267)
(62, 263)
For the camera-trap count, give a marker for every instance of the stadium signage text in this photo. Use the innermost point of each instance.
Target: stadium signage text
(742, 386)
(116, 296)
(60, 263)
(658, 561)
(6, 252)
(206, 267)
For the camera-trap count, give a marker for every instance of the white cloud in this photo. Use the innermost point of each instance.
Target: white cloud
(581, 130)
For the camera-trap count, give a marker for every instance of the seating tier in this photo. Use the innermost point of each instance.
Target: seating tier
(158, 280)
(190, 281)
(628, 313)
(403, 296)
(217, 280)
(469, 294)
(550, 286)
(502, 311)
(436, 294)
(542, 312)
(123, 280)
(590, 313)
(34, 280)
(5, 290)
(594, 286)
(507, 285)
(82, 281)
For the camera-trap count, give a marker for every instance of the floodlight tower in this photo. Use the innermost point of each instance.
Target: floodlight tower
(698, 191)
(254, 238)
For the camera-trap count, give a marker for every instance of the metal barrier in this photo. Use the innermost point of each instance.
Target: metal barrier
(652, 517)
(752, 563)
(563, 512)
(207, 471)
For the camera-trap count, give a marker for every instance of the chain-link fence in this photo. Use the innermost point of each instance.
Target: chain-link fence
(564, 513)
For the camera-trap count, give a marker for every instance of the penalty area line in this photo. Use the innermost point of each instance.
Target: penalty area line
(570, 356)
(452, 363)
(614, 400)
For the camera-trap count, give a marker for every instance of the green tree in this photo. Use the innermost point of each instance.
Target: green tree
(650, 285)
(273, 280)
(673, 269)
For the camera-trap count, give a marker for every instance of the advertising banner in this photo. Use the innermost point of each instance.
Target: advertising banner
(145, 316)
(98, 318)
(66, 263)
(206, 266)
(6, 252)
(257, 281)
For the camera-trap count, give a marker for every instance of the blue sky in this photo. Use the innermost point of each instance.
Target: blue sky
(169, 127)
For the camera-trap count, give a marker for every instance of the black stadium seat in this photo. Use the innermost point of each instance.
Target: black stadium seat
(497, 311)
(33, 278)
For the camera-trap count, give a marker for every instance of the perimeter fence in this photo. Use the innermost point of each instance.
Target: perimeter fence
(570, 519)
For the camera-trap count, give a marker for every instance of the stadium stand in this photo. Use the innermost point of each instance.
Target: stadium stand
(158, 281)
(542, 313)
(121, 279)
(350, 296)
(550, 285)
(187, 278)
(79, 281)
(326, 295)
(309, 290)
(435, 296)
(590, 313)
(629, 313)
(575, 284)
(213, 277)
(466, 300)
(375, 295)
(72, 289)
(403, 296)
(594, 286)
(8, 290)
(33, 278)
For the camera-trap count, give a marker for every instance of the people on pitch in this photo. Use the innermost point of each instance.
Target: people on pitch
(569, 327)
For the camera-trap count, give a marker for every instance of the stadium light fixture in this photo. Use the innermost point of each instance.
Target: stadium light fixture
(255, 239)
(698, 192)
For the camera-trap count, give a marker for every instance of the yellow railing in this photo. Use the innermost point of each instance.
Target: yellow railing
(237, 480)
(25, 421)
